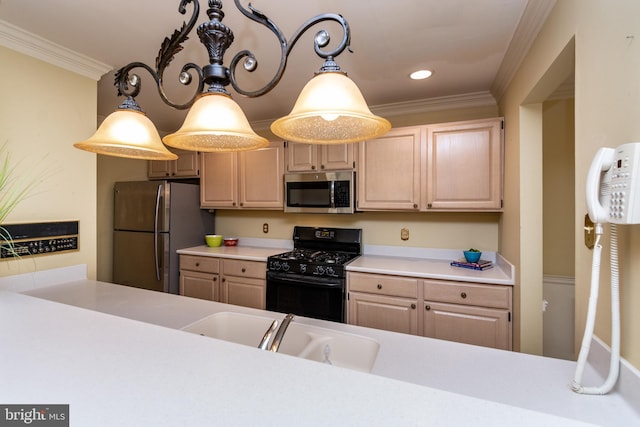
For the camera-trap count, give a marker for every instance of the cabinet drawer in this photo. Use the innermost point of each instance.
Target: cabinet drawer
(233, 267)
(496, 296)
(383, 285)
(199, 263)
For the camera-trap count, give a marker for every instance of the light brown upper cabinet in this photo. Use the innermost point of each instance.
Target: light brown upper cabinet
(447, 167)
(245, 180)
(185, 166)
(464, 166)
(389, 171)
(311, 157)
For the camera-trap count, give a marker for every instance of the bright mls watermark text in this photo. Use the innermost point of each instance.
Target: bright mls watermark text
(34, 415)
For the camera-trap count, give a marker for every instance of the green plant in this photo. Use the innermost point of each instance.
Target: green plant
(474, 250)
(14, 187)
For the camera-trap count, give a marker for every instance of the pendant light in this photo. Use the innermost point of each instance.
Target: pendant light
(330, 110)
(215, 123)
(127, 132)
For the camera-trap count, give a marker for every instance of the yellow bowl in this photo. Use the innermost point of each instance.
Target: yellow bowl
(213, 240)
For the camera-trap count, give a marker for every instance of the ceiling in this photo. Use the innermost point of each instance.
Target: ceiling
(464, 42)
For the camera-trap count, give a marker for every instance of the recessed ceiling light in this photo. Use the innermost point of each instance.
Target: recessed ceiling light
(421, 74)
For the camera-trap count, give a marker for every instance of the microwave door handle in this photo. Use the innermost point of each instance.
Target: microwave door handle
(333, 194)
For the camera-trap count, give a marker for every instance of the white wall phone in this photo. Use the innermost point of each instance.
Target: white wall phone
(613, 196)
(612, 185)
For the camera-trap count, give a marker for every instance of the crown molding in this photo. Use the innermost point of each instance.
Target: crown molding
(467, 100)
(533, 18)
(20, 40)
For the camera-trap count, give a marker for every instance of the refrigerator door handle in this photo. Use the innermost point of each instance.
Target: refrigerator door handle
(155, 232)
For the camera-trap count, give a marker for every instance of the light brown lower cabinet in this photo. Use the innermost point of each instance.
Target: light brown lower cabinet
(384, 312)
(470, 313)
(199, 277)
(230, 281)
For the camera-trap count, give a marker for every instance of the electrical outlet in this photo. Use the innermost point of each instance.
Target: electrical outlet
(404, 234)
(265, 228)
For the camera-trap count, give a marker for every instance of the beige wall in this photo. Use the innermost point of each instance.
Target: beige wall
(430, 230)
(607, 91)
(558, 187)
(45, 109)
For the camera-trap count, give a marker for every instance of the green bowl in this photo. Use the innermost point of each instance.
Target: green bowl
(472, 256)
(213, 240)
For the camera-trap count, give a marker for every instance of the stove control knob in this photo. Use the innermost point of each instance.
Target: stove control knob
(285, 266)
(275, 265)
(330, 271)
(320, 270)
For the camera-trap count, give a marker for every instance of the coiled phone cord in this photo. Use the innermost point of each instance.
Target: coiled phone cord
(614, 366)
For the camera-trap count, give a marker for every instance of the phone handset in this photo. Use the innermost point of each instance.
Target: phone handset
(597, 184)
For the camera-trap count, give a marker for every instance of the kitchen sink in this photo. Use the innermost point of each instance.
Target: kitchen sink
(305, 341)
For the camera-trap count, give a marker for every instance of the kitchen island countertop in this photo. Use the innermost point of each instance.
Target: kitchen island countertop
(61, 349)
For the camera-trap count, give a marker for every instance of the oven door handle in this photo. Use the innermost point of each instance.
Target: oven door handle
(306, 280)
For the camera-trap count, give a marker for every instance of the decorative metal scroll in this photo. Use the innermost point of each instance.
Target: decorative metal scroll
(217, 37)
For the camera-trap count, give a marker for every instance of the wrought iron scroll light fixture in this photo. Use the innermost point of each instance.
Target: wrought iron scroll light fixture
(330, 109)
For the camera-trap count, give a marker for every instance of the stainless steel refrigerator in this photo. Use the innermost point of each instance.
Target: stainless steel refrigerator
(152, 220)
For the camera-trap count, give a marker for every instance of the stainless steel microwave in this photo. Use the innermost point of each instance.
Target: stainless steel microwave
(320, 192)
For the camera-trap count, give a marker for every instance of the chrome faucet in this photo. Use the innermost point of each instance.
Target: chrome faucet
(275, 345)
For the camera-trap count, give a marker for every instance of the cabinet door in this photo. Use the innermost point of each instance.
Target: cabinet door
(337, 156)
(301, 157)
(199, 285)
(187, 165)
(486, 327)
(261, 172)
(219, 180)
(389, 171)
(383, 312)
(244, 291)
(159, 169)
(464, 166)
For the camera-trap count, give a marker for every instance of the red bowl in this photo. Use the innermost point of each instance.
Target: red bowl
(231, 241)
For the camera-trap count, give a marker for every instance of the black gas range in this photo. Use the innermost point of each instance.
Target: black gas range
(310, 280)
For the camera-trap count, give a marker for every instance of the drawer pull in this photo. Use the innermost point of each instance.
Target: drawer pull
(427, 307)
(413, 306)
(463, 295)
(379, 286)
(197, 264)
(243, 269)
(224, 280)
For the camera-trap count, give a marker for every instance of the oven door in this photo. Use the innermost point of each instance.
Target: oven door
(315, 297)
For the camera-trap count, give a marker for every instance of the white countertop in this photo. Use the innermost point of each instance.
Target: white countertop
(500, 274)
(156, 375)
(429, 267)
(249, 253)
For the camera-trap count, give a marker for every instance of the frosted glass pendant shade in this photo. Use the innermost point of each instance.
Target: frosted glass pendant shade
(330, 110)
(215, 123)
(127, 133)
